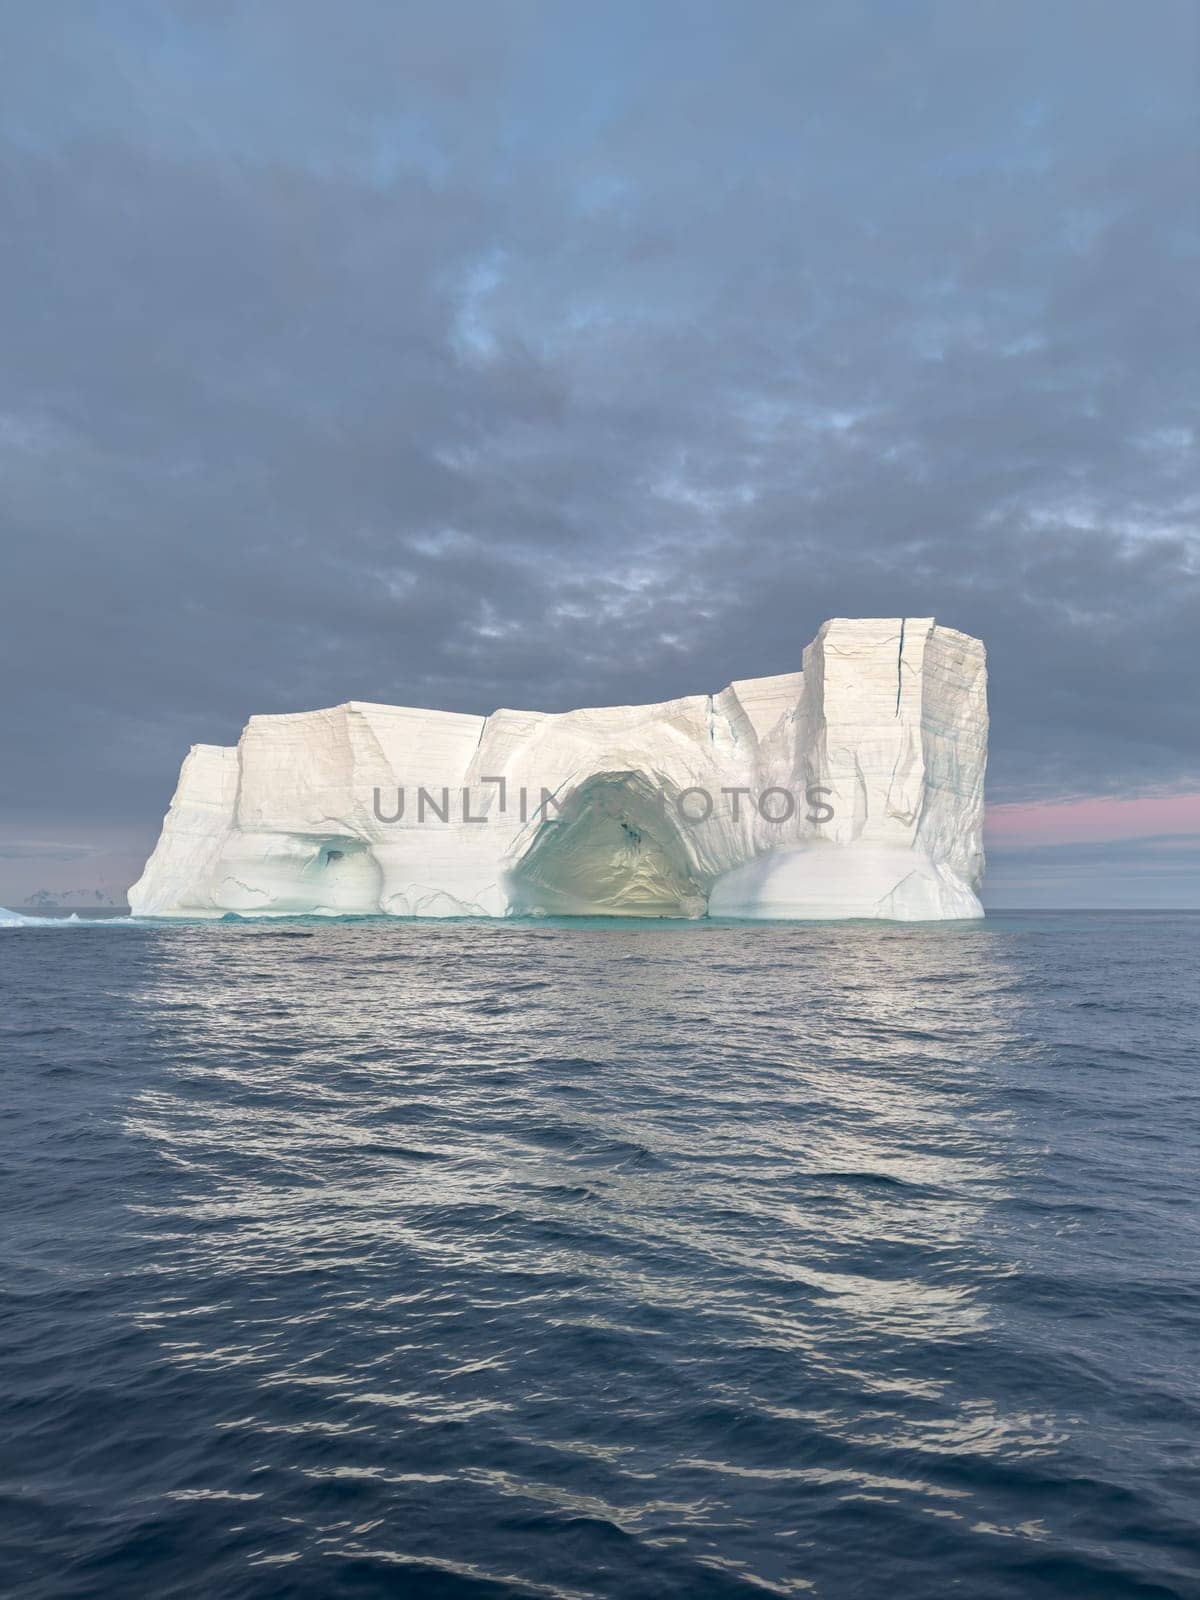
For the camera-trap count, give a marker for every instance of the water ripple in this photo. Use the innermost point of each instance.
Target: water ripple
(593, 1260)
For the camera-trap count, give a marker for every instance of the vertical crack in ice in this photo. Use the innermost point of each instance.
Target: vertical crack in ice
(900, 663)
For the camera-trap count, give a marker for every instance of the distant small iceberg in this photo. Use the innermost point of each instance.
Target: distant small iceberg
(14, 919)
(18, 919)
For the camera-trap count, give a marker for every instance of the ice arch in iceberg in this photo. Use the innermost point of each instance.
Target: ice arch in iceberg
(617, 847)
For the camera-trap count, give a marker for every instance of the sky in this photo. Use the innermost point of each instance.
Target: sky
(543, 355)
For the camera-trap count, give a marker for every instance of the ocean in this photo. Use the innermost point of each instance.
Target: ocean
(601, 1259)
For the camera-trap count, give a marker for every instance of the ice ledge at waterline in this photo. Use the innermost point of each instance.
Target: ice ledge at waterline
(853, 788)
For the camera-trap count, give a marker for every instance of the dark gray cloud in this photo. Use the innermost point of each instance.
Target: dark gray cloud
(534, 355)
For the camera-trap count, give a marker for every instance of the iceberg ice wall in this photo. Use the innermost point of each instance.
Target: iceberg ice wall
(853, 788)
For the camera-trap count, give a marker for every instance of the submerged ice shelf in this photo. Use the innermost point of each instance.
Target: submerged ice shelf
(853, 788)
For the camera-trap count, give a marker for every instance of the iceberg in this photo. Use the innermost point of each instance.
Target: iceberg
(851, 788)
(16, 919)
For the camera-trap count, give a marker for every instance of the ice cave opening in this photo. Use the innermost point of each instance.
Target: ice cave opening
(341, 874)
(613, 850)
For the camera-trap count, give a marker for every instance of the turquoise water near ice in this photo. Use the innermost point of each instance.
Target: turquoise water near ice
(488, 1259)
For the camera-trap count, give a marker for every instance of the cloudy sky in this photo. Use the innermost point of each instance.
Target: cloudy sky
(542, 354)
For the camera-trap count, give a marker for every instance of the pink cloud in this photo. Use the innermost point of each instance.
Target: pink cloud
(1096, 818)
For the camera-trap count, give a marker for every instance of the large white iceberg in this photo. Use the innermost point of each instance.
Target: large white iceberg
(853, 788)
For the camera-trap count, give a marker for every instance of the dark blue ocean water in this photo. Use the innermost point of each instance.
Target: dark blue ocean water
(625, 1260)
